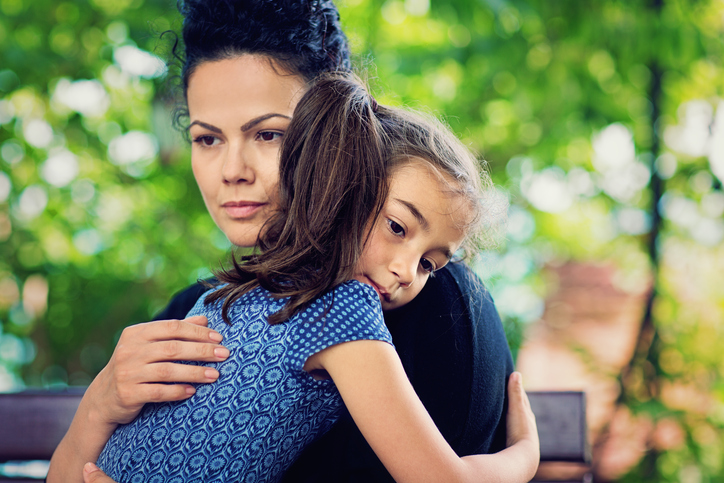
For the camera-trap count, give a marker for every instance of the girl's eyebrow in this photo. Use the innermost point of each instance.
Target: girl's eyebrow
(416, 213)
(261, 118)
(424, 224)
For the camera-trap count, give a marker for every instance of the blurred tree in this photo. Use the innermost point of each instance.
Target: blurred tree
(602, 123)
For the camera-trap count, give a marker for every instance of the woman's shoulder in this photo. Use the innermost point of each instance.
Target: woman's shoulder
(183, 301)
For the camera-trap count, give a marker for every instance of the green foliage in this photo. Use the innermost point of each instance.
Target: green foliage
(586, 112)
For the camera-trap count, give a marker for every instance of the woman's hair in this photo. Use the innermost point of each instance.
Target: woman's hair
(303, 37)
(337, 156)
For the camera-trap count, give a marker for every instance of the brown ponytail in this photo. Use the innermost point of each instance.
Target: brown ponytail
(332, 184)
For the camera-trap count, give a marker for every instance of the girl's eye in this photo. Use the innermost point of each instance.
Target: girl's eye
(269, 135)
(427, 265)
(396, 228)
(206, 140)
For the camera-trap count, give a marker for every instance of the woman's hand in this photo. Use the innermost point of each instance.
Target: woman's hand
(93, 474)
(142, 369)
(520, 423)
(143, 364)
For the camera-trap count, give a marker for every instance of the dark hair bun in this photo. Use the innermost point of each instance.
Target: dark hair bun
(303, 36)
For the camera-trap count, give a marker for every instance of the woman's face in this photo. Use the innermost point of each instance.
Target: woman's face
(239, 110)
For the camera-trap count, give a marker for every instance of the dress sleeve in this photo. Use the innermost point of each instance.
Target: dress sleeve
(351, 311)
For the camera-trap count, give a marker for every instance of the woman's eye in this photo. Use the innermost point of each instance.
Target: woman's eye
(206, 140)
(396, 228)
(427, 265)
(269, 135)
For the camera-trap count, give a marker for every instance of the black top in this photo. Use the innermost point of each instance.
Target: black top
(452, 345)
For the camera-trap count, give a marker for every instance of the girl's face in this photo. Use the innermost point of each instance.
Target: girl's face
(417, 232)
(239, 110)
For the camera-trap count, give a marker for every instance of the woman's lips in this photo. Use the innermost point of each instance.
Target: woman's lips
(242, 209)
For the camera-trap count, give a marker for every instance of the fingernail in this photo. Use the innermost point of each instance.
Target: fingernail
(211, 374)
(190, 390)
(90, 468)
(221, 352)
(215, 336)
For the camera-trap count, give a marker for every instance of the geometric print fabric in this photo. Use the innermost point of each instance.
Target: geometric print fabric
(255, 420)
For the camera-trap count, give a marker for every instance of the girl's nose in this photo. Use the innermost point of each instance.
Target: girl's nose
(238, 166)
(405, 268)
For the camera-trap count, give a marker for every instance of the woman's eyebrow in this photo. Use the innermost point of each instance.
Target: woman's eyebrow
(205, 126)
(261, 118)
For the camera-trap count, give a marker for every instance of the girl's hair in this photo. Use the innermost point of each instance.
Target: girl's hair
(413, 136)
(337, 156)
(303, 37)
(332, 183)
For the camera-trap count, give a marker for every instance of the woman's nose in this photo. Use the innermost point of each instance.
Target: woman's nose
(238, 166)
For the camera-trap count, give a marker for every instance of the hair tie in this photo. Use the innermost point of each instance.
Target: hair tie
(374, 105)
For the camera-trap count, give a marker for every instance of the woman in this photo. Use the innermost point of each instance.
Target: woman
(246, 67)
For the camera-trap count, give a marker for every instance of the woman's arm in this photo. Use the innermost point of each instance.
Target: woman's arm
(389, 414)
(141, 361)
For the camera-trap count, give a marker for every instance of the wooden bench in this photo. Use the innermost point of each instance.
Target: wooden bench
(33, 422)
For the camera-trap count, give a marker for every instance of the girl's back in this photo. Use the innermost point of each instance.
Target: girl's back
(264, 409)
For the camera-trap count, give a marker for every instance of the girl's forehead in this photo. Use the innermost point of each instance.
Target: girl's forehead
(431, 194)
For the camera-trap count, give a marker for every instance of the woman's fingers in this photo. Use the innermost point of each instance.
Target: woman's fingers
(521, 420)
(93, 474)
(192, 329)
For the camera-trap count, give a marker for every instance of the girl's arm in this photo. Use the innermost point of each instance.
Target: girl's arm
(141, 360)
(391, 417)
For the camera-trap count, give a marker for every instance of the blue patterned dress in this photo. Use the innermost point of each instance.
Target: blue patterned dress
(264, 409)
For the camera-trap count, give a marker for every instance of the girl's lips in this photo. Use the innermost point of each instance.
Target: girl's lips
(242, 209)
(383, 294)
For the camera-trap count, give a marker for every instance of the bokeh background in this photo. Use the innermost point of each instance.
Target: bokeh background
(603, 126)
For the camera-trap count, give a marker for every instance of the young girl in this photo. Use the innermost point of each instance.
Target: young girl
(371, 202)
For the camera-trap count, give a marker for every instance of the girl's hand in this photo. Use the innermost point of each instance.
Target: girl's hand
(144, 359)
(93, 474)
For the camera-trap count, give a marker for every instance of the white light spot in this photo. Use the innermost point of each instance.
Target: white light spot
(633, 221)
(12, 151)
(61, 168)
(33, 201)
(82, 191)
(613, 148)
(680, 210)
(87, 97)
(38, 133)
(12, 349)
(712, 204)
(521, 224)
(580, 182)
(132, 147)
(708, 232)
(623, 183)
(88, 242)
(666, 165)
(7, 112)
(691, 136)
(136, 62)
(716, 146)
(418, 8)
(548, 191)
(519, 301)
